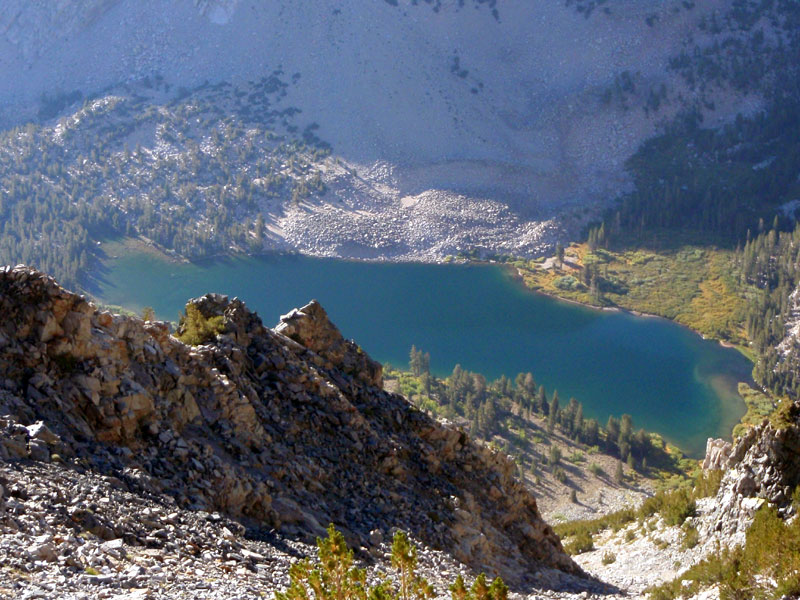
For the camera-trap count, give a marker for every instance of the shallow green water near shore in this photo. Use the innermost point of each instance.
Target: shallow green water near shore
(668, 378)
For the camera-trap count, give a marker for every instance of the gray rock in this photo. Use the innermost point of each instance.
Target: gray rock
(376, 537)
(40, 431)
(44, 551)
(286, 434)
(38, 450)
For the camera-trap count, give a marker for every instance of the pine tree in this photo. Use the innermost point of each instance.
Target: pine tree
(414, 361)
(334, 578)
(542, 405)
(577, 426)
(552, 418)
(404, 559)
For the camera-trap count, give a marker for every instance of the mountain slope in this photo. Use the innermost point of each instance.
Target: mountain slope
(273, 432)
(466, 96)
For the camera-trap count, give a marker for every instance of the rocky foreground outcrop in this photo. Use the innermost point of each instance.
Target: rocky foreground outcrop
(281, 430)
(762, 466)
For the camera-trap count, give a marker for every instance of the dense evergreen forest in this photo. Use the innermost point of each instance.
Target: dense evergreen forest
(721, 181)
(771, 261)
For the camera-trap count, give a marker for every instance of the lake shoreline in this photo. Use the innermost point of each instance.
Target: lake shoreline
(143, 243)
(517, 275)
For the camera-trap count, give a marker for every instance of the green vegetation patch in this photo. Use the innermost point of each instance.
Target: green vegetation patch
(196, 329)
(693, 285)
(674, 507)
(766, 567)
(759, 407)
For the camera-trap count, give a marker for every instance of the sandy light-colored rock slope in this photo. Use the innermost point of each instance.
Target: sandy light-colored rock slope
(504, 101)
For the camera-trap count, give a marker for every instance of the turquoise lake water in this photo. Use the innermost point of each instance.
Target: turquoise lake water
(667, 377)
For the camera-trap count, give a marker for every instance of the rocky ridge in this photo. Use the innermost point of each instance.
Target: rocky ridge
(762, 466)
(278, 432)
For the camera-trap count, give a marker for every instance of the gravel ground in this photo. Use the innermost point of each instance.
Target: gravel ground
(67, 532)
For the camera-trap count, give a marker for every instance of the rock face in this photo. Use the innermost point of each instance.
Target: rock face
(311, 327)
(718, 452)
(286, 429)
(763, 466)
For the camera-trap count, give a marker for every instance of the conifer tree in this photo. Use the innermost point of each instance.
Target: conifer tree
(404, 559)
(552, 418)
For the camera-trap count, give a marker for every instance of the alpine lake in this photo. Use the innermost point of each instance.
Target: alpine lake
(668, 378)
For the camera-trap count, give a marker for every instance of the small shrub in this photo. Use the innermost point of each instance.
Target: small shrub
(619, 475)
(608, 558)
(195, 329)
(555, 455)
(708, 483)
(661, 544)
(796, 498)
(404, 559)
(630, 535)
(677, 507)
(596, 469)
(615, 521)
(577, 457)
(480, 590)
(690, 537)
(567, 283)
(579, 544)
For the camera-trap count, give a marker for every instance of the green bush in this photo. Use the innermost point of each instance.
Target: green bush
(577, 457)
(581, 543)
(596, 469)
(567, 282)
(690, 537)
(708, 483)
(195, 329)
(767, 567)
(334, 577)
(555, 455)
(616, 521)
(675, 506)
